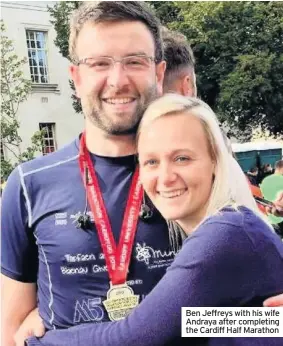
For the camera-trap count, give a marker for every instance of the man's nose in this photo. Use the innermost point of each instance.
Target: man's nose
(117, 76)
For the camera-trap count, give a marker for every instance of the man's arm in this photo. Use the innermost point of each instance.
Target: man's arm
(18, 299)
(276, 301)
(19, 257)
(32, 326)
(277, 210)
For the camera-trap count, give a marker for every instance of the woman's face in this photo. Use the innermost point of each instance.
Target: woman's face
(176, 167)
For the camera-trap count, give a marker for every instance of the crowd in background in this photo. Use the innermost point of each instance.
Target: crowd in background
(257, 174)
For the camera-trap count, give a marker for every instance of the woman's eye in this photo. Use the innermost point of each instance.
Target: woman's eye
(182, 158)
(150, 162)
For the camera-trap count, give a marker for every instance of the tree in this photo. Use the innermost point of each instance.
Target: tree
(14, 90)
(238, 48)
(259, 135)
(60, 14)
(239, 51)
(166, 11)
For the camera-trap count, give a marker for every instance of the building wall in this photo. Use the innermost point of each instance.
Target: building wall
(42, 106)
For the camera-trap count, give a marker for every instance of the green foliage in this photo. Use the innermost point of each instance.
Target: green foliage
(166, 11)
(249, 92)
(14, 90)
(60, 14)
(238, 48)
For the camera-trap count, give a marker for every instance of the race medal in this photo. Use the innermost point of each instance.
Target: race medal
(120, 297)
(120, 301)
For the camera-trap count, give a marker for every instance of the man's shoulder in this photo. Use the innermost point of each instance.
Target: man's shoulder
(266, 177)
(65, 155)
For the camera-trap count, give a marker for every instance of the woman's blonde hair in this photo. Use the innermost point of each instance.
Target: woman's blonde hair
(230, 186)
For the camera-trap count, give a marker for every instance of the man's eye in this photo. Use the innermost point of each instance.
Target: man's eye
(99, 63)
(134, 61)
(137, 62)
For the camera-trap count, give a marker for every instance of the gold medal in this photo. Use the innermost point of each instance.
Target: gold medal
(120, 297)
(120, 301)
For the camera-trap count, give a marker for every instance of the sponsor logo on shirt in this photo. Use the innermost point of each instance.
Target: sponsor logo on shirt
(153, 258)
(88, 310)
(61, 219)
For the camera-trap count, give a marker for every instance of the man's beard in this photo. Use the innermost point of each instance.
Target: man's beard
(93, 110)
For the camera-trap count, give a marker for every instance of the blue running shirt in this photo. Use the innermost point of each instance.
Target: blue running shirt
(40, 242)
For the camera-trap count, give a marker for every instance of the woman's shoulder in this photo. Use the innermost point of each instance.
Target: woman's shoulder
(233, 223)
(220, 238)
(240, 225)
(232, 232)
(238, 216)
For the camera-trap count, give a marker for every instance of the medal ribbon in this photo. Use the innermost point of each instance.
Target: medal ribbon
(117, 258)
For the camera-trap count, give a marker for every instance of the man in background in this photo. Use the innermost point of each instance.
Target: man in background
(180, 64)
(277, 210)
(278, 167)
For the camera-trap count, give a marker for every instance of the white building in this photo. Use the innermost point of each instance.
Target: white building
(49, 105)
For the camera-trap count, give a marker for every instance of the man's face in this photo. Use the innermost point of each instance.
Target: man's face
(114, 99)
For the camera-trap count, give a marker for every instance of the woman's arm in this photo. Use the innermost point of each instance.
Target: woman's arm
(208, 271)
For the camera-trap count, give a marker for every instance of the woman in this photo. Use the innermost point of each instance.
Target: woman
(230, 249)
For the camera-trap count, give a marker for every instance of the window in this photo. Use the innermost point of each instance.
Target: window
(37, 54)
(49, 142)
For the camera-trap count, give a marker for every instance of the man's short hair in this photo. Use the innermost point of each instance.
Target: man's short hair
(114, 11)
(177, 53)
(278, 164)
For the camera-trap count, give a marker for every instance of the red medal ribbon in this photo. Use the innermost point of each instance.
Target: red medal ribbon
(117, 258)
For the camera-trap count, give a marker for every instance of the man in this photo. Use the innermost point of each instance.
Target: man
(252, 175)
(277, 210)
(51, 254)
(180, 74)
(142, 249)
(278, 167)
